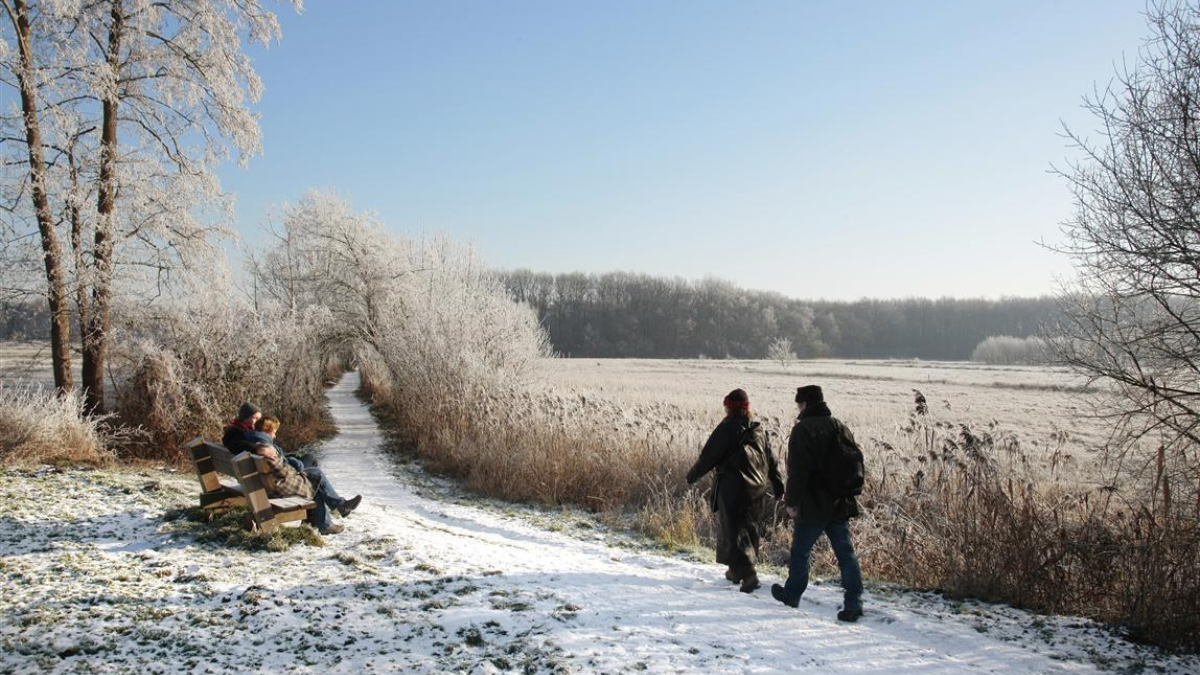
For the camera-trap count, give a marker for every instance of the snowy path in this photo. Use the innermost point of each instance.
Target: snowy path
(98, 576)
(642, 611)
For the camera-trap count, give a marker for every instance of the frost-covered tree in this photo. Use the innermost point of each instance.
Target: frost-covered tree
(428, 310)
(134, 103)
(780, 350)
(27, 49)
(1006, 350)
(1133, 321)
(324, 254)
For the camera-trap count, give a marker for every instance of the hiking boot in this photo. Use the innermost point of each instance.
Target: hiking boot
(349, 505)
(778, 593)
(732, 575)
(850, 615)
(335, 528)
(749, 582)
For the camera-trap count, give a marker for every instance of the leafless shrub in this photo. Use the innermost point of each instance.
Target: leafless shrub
(1009, 350)
(780, 350)
(188, 375)
(1131, 320)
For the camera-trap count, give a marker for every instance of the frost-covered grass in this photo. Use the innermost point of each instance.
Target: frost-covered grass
(227, 527)
(103, 575)
(428, 579)
(36, 426)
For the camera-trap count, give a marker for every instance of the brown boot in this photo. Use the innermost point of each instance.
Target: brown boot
(749, 582)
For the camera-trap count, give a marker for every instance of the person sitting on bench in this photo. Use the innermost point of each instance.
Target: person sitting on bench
(307, 481)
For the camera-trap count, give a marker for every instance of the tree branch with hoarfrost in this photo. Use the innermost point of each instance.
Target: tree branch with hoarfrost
(427, 310)
(1133, 318)
(128, 106)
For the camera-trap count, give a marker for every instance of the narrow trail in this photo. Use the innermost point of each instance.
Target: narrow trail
(605, 608)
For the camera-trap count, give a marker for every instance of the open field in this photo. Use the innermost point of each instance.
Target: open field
(25, 362)
(1045, 408)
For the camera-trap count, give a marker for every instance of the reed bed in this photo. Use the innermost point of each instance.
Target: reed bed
(966, 509)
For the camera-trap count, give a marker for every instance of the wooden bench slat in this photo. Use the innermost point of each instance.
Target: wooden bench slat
(292, 503)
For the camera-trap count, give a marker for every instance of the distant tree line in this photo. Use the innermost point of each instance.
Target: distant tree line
(626, 315)
(24, 321)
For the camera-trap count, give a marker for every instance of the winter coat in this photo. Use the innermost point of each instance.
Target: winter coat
(723, 454)
(285, 480)
(288, 481)
(813, 437)
(738, 493)
(240, 437)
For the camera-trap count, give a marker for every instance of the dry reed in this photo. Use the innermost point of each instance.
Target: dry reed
(948, 507)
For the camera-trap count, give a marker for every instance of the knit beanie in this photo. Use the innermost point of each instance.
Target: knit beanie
(738, 399)
(246, 411)
(809, 394)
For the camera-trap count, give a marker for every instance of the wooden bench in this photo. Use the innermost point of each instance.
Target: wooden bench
(232, 480)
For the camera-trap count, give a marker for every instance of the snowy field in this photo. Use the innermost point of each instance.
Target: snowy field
(426, 580)
(27, 361)
(1046, 408)
(1039, 404)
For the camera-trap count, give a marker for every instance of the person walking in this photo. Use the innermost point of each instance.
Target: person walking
(822, 481)
(739, 453)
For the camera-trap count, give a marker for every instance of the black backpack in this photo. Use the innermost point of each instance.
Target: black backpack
(841, 471)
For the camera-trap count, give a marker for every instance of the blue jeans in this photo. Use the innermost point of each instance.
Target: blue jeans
(803, 539)
(324, 495)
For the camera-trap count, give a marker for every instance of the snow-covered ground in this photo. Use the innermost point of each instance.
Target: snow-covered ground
(424, 581)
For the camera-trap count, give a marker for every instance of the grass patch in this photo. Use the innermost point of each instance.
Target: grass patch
(225, 528)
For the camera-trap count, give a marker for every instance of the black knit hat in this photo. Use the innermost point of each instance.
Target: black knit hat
(247, 410)
(809, 394)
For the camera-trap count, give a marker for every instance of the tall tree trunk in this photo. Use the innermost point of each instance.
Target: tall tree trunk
(56, 295)
(75, 217)
(95, 336)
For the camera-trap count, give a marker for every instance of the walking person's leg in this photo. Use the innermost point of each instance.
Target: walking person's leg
(852, 584)
(804, 537)
(746, 553)
(729, 551)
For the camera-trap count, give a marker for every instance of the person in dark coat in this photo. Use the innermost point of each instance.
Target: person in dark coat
(289, 479)
(814, 510)
(239, 435)
(739, 452)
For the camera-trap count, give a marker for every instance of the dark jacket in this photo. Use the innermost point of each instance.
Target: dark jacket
(815, 434)
(286, 479)
(723, 454)
(240, 437)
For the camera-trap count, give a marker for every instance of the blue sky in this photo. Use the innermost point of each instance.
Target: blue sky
(817, 149)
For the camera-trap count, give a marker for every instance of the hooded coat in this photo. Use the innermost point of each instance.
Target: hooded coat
(738, 491)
